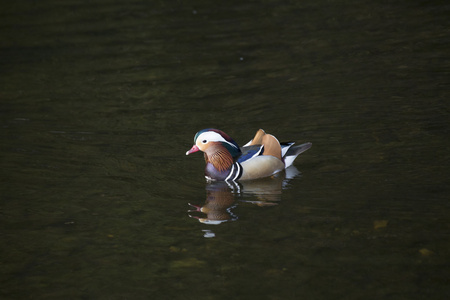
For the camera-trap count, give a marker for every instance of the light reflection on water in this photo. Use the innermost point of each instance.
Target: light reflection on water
(222, 197)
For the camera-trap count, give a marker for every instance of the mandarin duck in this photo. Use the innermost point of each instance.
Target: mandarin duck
(261, 157)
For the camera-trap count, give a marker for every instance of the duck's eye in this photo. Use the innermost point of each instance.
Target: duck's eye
(204, 141)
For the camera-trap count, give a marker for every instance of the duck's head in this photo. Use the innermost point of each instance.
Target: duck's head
(212, 140)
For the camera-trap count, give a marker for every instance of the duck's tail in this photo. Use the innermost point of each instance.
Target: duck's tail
(290, 152)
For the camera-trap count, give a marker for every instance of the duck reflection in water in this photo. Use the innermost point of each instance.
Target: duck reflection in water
(223, 196)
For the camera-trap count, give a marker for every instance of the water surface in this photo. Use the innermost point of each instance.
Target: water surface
(101, 99)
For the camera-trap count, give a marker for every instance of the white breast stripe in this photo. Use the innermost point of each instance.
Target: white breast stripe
(235, 173)
(231, 173)
(238, 172)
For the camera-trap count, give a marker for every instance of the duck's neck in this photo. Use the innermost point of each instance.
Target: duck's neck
(219, 162)
(220, 158)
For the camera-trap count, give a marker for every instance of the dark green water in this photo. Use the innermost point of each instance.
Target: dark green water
(101, 99)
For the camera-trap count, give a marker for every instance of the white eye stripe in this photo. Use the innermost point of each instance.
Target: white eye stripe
(211, 136)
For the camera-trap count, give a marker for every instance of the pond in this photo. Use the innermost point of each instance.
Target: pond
(101, 99)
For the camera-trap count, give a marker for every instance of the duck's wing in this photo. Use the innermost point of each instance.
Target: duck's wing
(249, 152)
(271, 146)
(257, 140)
